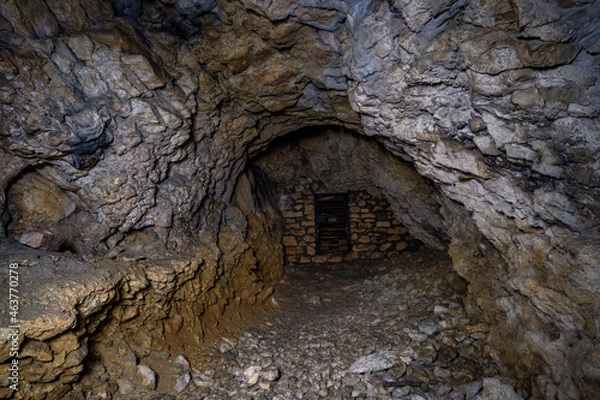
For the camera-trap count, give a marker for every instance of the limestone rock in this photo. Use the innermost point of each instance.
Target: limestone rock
(252, 375)
(495, 389)
(182, 382)
(194, 8)
(147, 375)
(41, 239)
(371, 363)
(269, 373)
(126, 387)
(181, 364)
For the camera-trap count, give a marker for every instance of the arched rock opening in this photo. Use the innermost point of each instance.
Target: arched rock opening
(146, 114)
(318, 160)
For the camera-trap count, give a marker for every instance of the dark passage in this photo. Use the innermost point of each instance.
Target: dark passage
(332, 223)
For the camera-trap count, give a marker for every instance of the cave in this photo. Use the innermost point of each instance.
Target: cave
(175, 171)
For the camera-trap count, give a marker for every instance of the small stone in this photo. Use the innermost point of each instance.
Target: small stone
(147, 375)
(469, 390)
(438, 309)
(181, 364)
(399, 370)
(202, 380)
(41, 239)
(371, 363)
(267, 385)
(225, 347)
(426, 354)
(401, 392)
(428, 328)
(270, 373)
(417, 375)
(495, 389)
(479, 328)
(486, 145)
(182, 382)
(159, 355)
(418, 337)
(126, 387)
(252, 375)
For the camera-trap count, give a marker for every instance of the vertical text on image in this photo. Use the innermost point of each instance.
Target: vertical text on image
(13, 327)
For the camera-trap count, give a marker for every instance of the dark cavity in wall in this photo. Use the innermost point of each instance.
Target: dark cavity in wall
(37, 211)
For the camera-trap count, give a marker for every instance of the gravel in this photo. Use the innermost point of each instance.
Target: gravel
(395, 329)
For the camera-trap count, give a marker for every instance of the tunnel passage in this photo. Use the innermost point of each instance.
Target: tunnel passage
(344, 197)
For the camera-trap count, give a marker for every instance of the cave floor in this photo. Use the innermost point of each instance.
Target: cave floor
(389, 329)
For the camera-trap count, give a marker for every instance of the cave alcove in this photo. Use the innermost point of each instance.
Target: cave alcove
(323, 162)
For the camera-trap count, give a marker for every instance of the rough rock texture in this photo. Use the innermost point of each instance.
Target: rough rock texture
(339, 161)
(372, 230)
(141, 116)
(66, 302)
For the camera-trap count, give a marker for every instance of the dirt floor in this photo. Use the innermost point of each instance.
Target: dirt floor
(385, 329)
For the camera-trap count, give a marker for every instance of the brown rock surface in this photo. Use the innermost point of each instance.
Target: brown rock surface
(126, 127)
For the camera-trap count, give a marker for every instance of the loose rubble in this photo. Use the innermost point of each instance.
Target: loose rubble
(395, 329)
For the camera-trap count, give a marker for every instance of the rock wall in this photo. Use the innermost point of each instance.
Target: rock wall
(339, 160)
(373, 230)
(329, 160)
(141, 116)
(109, 317)
(481, 95)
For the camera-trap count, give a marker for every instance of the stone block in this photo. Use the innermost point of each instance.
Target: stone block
(400, 230)
(520, 152)
(289, 240)
(294, 250)
(363, 247)
(293, 259)
(385, 247)
(41, 239)
(401, 246)
(320, 258)
(293, 214)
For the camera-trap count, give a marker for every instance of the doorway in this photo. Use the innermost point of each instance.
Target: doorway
(332, 222)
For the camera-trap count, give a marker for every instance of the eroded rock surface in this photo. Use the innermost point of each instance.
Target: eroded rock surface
(139, 118)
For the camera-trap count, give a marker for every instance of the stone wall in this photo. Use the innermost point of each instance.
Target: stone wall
(374, 231)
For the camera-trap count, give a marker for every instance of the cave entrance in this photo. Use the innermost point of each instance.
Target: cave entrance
(332, 223)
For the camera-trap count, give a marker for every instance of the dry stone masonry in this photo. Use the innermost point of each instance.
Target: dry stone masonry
(373, 231)
(129, 132)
